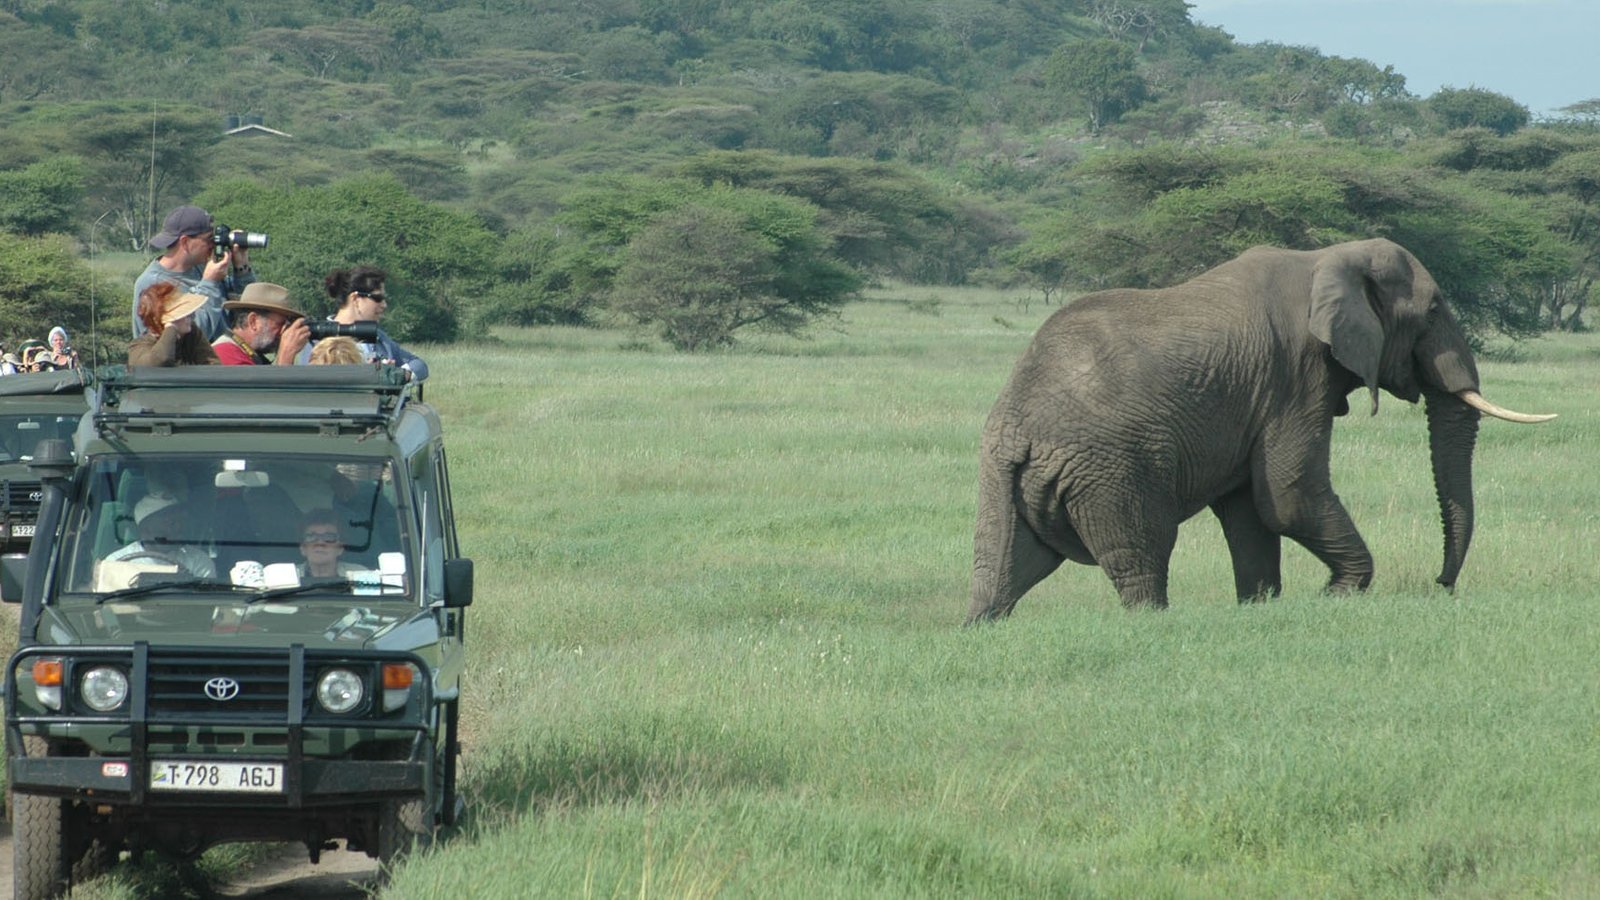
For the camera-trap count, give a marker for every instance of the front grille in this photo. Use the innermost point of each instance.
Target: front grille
(20, 499)
(177, 687)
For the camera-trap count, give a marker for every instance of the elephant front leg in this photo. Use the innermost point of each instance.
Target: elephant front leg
(1320, 523)
(1257, 550)
(1294, 496)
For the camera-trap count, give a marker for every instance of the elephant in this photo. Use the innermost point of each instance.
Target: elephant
(1132, 410)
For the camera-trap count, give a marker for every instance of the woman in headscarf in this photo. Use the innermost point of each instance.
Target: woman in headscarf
(171, 338)
(62, 354)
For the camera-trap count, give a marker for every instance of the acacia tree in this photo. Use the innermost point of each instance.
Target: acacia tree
(1477, 108)
(1102, 73)
(700, 263)
(699, 274)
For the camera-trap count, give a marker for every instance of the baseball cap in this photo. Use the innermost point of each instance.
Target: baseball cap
(185, 221)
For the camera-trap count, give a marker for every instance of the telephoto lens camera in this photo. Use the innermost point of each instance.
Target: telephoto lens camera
(223, 237)
(366, 332)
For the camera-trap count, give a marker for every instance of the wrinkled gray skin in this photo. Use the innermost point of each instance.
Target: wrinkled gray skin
(1133, 410)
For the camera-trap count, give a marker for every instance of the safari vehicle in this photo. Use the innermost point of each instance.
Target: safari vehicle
(242, 620)
(33, 407)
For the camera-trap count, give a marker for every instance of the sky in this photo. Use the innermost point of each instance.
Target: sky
(1544, 54)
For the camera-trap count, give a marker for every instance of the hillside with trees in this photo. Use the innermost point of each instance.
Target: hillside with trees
(700, 168)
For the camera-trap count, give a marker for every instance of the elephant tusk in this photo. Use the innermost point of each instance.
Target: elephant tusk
(1476, 401)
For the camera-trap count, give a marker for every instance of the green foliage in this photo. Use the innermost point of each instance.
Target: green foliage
(439, 261)
(502, 109)
(42, 197)
(648, 248)
(881, 218)
(1102, 73)
(860, 114)
(42, 283)
(1477, 108)
(1499, 258)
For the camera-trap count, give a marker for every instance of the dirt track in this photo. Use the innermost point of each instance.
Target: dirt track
(285, 874)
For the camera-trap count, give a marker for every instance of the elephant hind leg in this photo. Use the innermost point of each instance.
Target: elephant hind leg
(1133, 546)
(1009, 558)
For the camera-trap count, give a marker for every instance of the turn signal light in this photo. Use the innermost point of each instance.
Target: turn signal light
(396, 676)
(47, 672)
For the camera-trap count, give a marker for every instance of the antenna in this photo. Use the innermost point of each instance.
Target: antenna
(150, 224)
(94, 281)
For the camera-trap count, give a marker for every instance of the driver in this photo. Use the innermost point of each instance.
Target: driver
(160, 520)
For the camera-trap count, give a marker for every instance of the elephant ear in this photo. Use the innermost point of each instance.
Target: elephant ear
(1343, 318)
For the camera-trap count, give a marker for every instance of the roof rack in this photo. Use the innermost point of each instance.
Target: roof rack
(242, 396)
(57, 381)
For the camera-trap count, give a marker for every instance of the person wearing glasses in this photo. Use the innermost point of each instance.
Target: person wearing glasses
(262, 321)
(187, 260)
(321, 544)
(359, 295)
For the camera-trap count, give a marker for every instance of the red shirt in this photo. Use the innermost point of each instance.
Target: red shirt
(233, 353)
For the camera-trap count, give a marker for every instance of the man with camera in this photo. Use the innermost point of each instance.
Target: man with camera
(201, 259)
(261, 321)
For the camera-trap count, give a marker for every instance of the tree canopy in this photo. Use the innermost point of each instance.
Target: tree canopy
(1059, 145)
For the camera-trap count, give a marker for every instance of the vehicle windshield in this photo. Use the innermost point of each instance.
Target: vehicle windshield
(21, 433)
(252, 521)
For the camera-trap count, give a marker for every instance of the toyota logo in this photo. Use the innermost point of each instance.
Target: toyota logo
(222, 689)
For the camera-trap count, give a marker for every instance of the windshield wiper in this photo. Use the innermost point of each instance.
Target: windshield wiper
(182, 584)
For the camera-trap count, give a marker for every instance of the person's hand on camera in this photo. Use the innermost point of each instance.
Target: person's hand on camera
(217, 269)
(292, 340)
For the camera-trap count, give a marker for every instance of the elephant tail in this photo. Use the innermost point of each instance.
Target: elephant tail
(1008, 557)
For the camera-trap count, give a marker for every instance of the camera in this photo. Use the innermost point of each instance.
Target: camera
(366, 332)
(223, 237)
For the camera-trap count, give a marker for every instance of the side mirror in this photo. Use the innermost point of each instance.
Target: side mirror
(457, 583)
(13, 569)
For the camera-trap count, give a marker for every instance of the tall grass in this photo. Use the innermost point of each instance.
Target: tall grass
(716, 646)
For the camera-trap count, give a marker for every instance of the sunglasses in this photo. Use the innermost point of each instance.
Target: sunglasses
(321, 537)
(377, 297)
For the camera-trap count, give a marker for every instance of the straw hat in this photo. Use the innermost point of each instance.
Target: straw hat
(268, 297)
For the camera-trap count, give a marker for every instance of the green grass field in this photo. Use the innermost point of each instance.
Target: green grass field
(717, 646)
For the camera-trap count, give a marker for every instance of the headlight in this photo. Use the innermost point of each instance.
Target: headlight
(340, 690)
(104, 688)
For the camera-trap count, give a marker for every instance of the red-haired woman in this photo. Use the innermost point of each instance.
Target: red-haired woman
(171, 338)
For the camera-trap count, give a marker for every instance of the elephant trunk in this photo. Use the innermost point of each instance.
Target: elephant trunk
(1452, 434)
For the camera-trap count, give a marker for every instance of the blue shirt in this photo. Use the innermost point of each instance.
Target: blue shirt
(382, 348)
(210, 318)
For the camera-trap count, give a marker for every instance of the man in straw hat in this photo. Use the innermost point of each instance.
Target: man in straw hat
(187, 260)
(261, 321)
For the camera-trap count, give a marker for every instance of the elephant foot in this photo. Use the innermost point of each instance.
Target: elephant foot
(1348, 585)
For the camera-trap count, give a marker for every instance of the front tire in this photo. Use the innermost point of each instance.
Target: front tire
(51, 843)
(404, 827)
(39, 847)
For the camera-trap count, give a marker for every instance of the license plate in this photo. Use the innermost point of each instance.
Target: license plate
(220, 777)
(22, 531)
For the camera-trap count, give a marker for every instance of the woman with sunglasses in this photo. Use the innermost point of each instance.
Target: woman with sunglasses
(360, 297)
(321, 544)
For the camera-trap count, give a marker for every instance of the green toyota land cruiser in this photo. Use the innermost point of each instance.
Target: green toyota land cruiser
(33, 407)
(242, 620)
